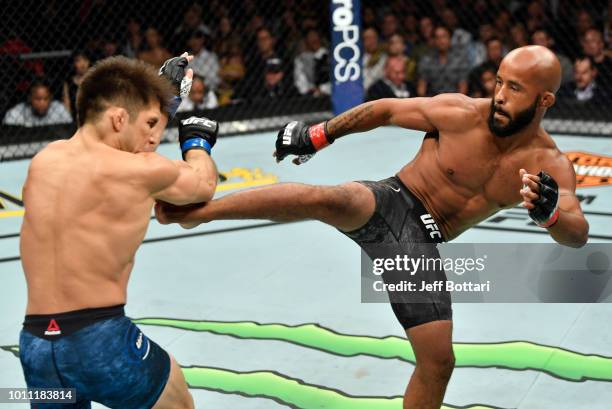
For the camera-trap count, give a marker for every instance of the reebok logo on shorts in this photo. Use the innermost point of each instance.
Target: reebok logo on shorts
(140, 340)
(53, 328)
(430, 224)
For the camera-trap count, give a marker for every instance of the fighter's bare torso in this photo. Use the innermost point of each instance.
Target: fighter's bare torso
(464, 176)
(86, 214)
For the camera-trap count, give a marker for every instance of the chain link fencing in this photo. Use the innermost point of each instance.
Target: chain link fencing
(260, 63)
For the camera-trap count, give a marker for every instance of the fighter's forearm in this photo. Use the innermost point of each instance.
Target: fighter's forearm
(206, 170)
(570, 230)
(361, 118)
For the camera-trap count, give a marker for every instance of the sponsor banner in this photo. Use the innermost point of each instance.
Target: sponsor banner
(346, 54)
(591, 169)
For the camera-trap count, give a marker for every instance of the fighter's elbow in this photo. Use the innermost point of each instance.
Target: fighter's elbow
(206, 190)
(577, 243)
(583, 236)
(578, 239)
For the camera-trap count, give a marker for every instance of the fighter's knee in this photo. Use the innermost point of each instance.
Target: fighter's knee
(335, 199)
(439, 367)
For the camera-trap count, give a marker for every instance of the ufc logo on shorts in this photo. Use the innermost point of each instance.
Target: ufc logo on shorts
(430, 224)
(287, 133)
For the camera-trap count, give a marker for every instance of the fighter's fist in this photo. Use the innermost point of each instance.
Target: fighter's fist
(197, 133)
(175, 70)
(541, 197)
(297, 138)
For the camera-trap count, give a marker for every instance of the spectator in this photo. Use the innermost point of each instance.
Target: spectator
(205, 63)
(255, 23)
(411, 30)
(264, 50)
(290, 34)
(200, 97)
(154, 52)
(593, 46)
(443, 69)
(133, 42)
(518, 36)
(110, 47)
(460, 37)
(585, 87)
(225, 37)
(17, 73)
(274, 84)
(39, 110)
(80, 65)
(426, 38)
(572, 28)
(311, 67)
(502, 24)
(390, 26)
(534, 15)
(231, 72)
(486, 83)
(369, 18)
(542, 37)
(394, 84)
(397, 47)
(495, 53)
(477, 50)
(374, 58)
(192, 21)
(584, 22)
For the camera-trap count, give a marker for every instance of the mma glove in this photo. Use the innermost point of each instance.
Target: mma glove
(174, 70)
(297, 138)
(197, 133)
(546, 210)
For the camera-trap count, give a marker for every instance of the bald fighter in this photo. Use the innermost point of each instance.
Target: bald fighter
(88, 203)
(478, 156)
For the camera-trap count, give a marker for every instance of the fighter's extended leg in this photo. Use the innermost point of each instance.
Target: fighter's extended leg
(433, 349)
(347, 207)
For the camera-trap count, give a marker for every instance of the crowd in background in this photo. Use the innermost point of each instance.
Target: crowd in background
(422, 50)
(258, 50)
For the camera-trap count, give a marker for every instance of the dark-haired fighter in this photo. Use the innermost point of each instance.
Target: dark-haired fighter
(88, 202)
(479, 156)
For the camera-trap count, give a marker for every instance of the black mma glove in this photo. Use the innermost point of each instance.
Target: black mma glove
(297, 138)
(174, 70)
(197, 133)
(546, 210)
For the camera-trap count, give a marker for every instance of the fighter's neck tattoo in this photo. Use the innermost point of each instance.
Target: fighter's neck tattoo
(350, 120)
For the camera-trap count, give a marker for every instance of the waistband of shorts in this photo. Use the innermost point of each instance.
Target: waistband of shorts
(54, 326)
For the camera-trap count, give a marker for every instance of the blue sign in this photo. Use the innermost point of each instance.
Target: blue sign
(346, 55)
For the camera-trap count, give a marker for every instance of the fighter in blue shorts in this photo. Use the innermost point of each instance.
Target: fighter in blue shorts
(88, 203)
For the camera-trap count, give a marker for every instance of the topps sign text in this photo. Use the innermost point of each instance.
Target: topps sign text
(348, 66)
